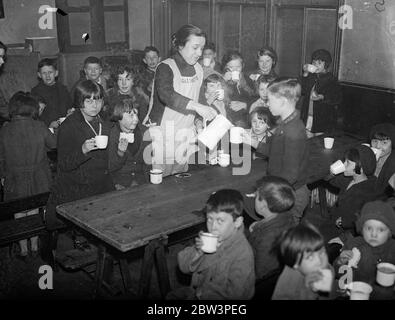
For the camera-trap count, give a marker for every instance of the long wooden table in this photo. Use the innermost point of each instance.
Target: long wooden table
(147, 215)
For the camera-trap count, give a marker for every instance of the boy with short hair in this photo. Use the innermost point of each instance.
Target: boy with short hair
(54, 93)
(151, 60)
(229, 272)
(274, 199)
(210, 55)
(287, 148)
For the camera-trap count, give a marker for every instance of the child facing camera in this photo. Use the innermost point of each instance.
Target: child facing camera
(307, 275)
(262, 84)
(228, 273)
(376, 225)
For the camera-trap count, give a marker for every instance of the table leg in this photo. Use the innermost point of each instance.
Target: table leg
(161, 264)
(146, 270)
(126, 278)
(101, 257)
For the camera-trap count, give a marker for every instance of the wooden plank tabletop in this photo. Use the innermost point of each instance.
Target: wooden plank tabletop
(130, 218)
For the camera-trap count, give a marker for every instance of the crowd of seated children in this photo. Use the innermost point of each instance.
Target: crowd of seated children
(307, 274)
(381, 137)
(24, 166)
(127, 145)
(227, 273)
(266, 60)
(126, 88)
(56, 96)
(151, 60)
(262, 127)
(357, 186)
(274, 199)
(209, 60)
(375, 242)
(322, 95)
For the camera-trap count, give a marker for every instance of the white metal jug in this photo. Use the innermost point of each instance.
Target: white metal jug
(214, 132)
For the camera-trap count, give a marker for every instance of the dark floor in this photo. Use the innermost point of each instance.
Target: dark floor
(19, 279)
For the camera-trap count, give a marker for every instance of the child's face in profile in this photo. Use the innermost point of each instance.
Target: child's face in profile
(93, 71)
(125, 82)
(265, 64)
(129, 120)
(350, 168)
(276, 104)
(222, 224)
(258, 124)
(375, 233)
(48, 75)
(385, 146)
(234, 65)
(313, 261)
(320, 65)
(262, 90)
(151, 59)
(261, 206)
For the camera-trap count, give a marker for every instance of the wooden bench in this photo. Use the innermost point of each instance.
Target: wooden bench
(11, 229)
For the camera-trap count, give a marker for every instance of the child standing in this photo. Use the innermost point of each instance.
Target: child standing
(126, 147)
(209, 62)
(376, 224)
(307, 275)
(274, 199)
(151, 60)
(24, 166)
(56, 95)
(287, 149)
(322, 94)
(227, 274)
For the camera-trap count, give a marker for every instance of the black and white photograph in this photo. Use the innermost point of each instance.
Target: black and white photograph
(173, 151)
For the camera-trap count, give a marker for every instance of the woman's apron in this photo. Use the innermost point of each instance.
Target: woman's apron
(178, 134)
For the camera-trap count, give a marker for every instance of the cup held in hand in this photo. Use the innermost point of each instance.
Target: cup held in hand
(385, 274)
(127, 136)
(156, 176)
(359, 290)
(206, 62)
(101, 141)
(311, 68)
(235, 75)
(325, 284)
(337, 167)
(236, 135)
(221, 94)
(328, 142)
(210, 242)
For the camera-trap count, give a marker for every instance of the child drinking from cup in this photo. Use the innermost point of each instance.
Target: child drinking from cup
(228, 273)
(262, 127)
(322, 94)
(375, 226)
(307, 275)
(209, 62)
(274, 198)
(127, 142)
(24, 166)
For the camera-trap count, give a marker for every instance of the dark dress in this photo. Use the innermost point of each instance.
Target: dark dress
(131, 169)
(24, 143)
(388, 169)
(57, 98)
(79, 175)
(324, 111)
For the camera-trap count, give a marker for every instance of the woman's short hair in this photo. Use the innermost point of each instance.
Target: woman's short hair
(87, 89)
(120, 107)
(294, 243)
(229, 56)
(226, 200)
(23, 104)
(268, 51)
(322, 55)
(181, 36)
(264, 114)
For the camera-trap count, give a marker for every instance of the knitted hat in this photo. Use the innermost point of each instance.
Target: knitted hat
(368, 159)
(377, 210)
(387, 129)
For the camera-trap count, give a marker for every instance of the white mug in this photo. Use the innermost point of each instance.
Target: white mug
(206, 62)
(359, 290)
(210, 242)
(101, 141)
(127, 136)
(311, 68)
(385, 274)
(221, 94)
(236, 135)
(235, 75)
(337, 167)
(328, 142)
(224, 159)
(156, 176)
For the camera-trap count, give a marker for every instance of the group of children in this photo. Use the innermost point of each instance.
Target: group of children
(266, 106)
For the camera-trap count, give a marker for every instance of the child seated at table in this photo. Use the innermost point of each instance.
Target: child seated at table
(262, 84)
(228, 273)
(274, 199)
(262, 127)
(56, 95)
(287, 149)
(357, 186)
(307, 275)
(376, 226)
(24, 166)
(126, 147)
(382, 137)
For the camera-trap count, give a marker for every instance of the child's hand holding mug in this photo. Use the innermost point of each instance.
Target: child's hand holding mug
(345, 256)
(311, 278)
(89, 145)
(212, 97)
(228, 75)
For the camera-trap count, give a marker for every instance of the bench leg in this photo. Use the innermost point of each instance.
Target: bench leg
(101, 256)
(163, 273)
(146, 270)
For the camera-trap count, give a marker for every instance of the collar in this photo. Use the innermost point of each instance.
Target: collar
(291, 117)
(182, 64)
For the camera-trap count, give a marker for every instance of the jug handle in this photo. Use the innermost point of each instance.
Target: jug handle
(205, 122)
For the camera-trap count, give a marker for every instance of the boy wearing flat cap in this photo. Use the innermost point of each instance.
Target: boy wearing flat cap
(376, 225)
